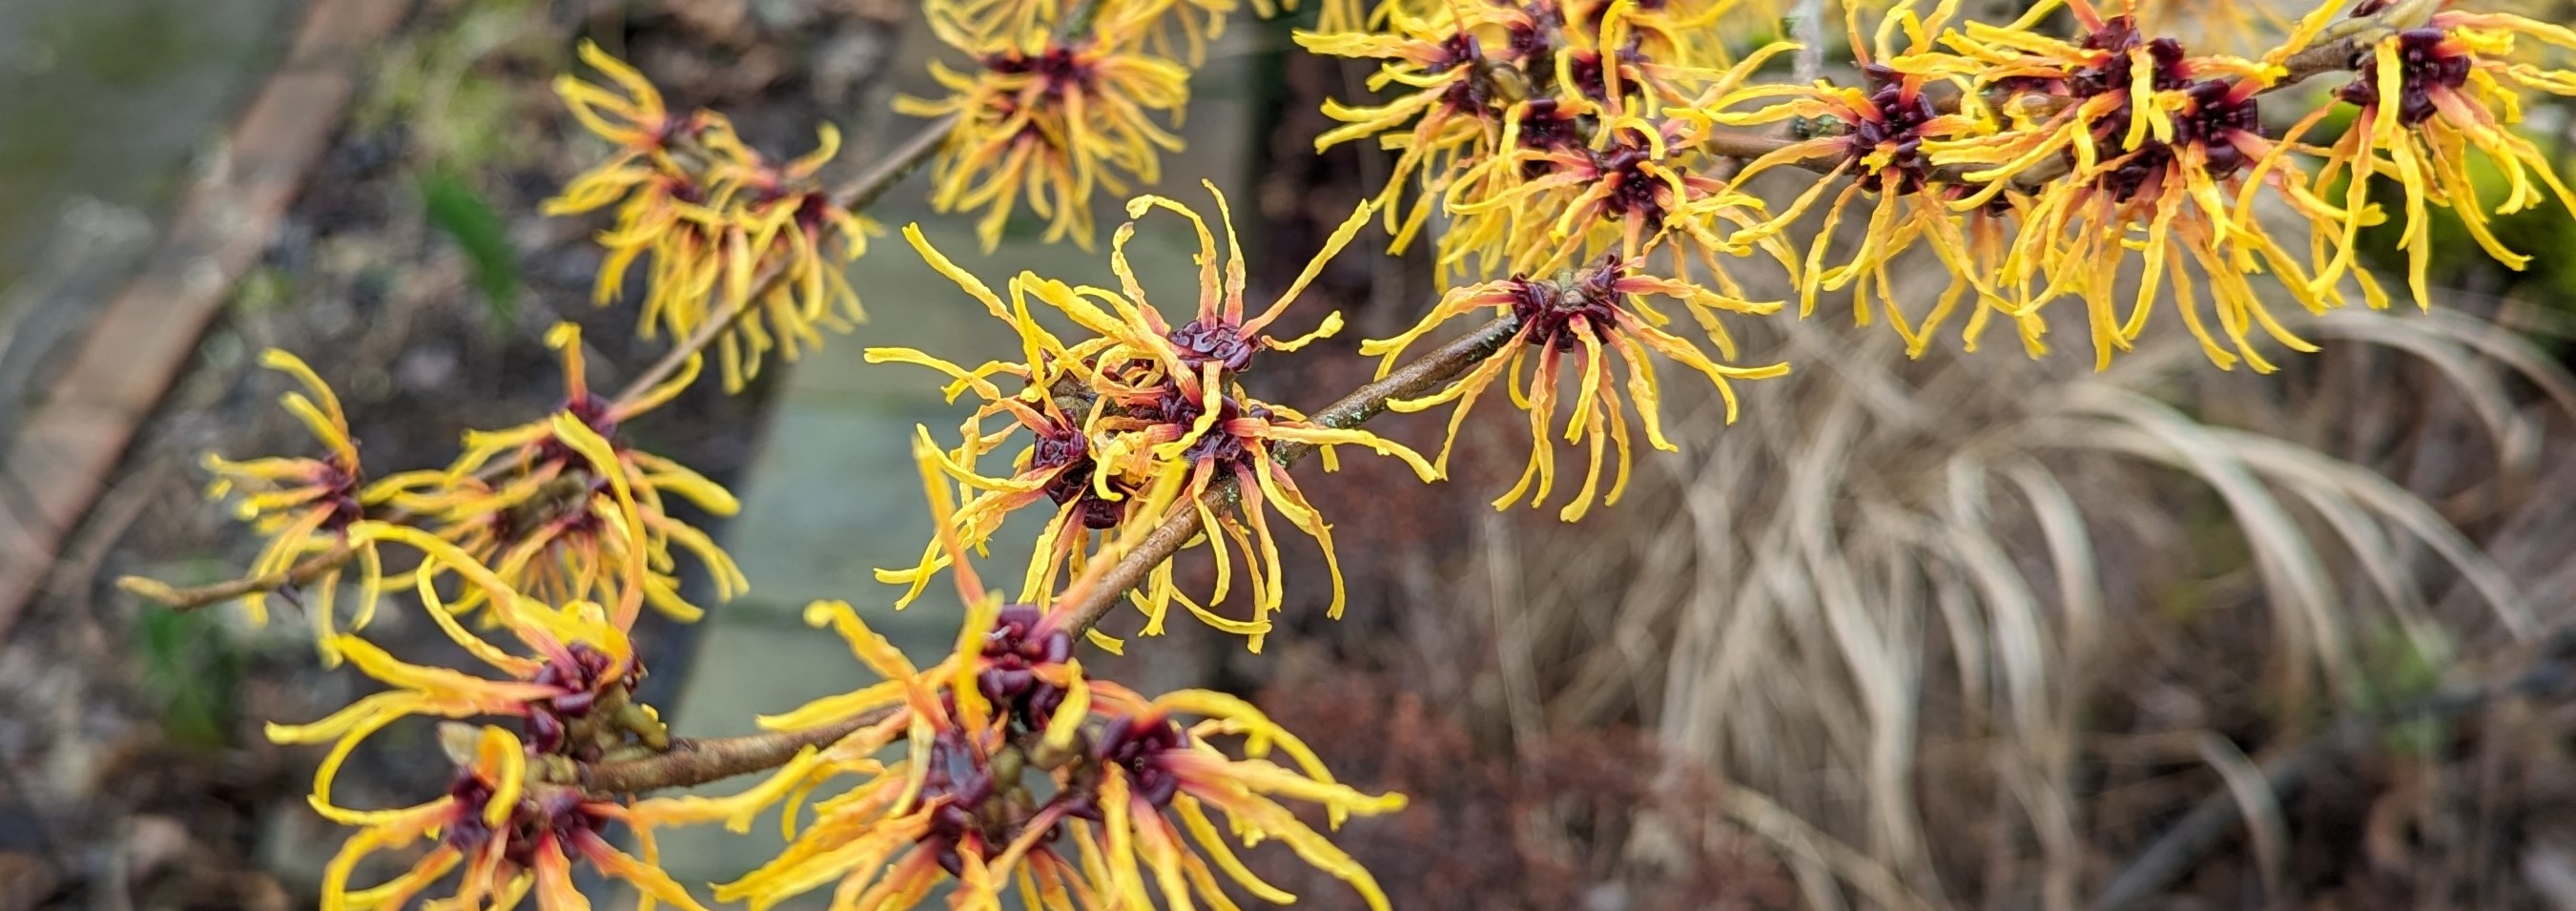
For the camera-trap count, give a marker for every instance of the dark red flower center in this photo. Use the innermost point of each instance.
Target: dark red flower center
(1058, 68)
(1632, 189)
(556, 813)
(2218, 111)
(2427, 59)
(1066, 448)
(1894, 120)
(1012, 653)
(1138, 745)
(1548, 309)
(1203, 340)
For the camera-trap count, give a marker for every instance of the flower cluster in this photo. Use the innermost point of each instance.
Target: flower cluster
(1599, 153)
(1143, 400)
(558, 508)
(1547, 132)
(2428, 97)
(506, 824)
(2114, 166)
(721, 230)
(564, 511)
(1009, 747)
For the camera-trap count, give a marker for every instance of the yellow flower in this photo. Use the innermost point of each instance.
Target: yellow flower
(1053, 404)
(1158, 400)
(1884, 126)
(711, 217)
(572, 694)
(1590, 315)
(578, 516)
(1160, 780)
(305, 505)
(2455, 82)
(1635, 185)
(1006, 745)
(2166, 152)
(1053, 119)
(502, 836)
(1450, 113)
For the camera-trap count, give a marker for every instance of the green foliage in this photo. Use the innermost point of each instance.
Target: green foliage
(190, 668)
(449, 86)
(2404, 666)
(458, 211)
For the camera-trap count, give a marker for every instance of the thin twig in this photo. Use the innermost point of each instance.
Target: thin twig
(698, 761)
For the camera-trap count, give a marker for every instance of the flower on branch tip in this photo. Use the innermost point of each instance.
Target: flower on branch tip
(503, 837)
(304, 505)
(711, 218)
(1051, 118)
(1883, 127)
(2428, 97)
(1591, 316)
(1149, 401)
(572, 514)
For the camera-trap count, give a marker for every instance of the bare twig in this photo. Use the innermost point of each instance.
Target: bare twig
(698, 761)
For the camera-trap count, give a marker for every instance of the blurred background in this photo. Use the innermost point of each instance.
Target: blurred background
(1954, 632)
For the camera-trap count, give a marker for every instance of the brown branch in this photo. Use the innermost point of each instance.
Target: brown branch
(304, 572)
(1412, 380)
(697, 761)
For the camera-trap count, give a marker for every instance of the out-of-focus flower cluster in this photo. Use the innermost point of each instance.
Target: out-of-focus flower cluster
(1019, 772)
(720, 229)
(1135, 400)
(2113, 165)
